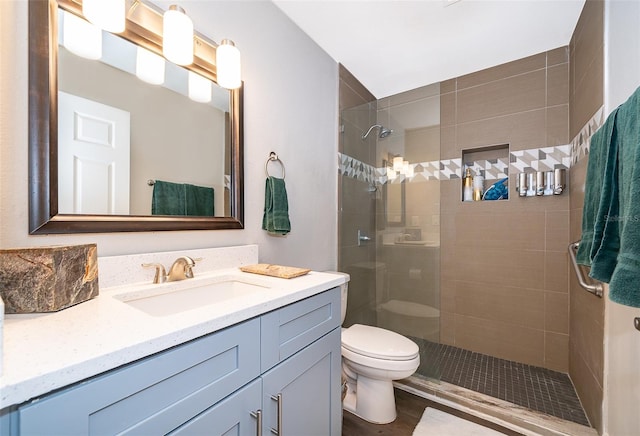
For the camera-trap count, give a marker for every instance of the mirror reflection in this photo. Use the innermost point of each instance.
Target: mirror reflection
(130, 147)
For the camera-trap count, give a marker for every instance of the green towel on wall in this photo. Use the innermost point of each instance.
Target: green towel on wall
(276, 207)
(624, 287)
(600, 201)
(181, 199)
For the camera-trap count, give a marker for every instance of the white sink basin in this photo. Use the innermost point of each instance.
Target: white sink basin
(175, 297)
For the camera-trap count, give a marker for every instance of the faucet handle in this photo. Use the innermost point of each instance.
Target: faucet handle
(161, 273)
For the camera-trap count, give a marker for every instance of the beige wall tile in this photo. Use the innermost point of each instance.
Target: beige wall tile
(558, 85)
(448, 109)
(499, 339)
(556, 352)
(559, 55)
(588, 388)
(588, 98)
(508, 267)
(448, 146)
(447, 328)
(521, 131)
(556, 271)
(557, 125)
(510, 230)
(415, 94)
(520, 93)
(352, 91)
(503, 71)
(586, 329)
(556, 230)
(556, 313)
(518, 306)
(448, 86)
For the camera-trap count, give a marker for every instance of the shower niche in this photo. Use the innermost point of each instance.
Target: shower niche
(485, 173)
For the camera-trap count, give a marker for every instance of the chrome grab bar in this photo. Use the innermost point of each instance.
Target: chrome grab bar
(595, 288)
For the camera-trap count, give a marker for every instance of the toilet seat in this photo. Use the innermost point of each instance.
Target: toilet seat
(377, 343)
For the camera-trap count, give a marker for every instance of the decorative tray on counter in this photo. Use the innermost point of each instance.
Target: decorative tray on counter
(267, 269)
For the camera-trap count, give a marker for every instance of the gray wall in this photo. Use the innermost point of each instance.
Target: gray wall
(291, 103)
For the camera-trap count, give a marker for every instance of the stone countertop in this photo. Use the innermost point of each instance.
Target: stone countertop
(44, 352)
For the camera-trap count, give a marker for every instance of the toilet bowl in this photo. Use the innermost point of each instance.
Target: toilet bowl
(372, 358)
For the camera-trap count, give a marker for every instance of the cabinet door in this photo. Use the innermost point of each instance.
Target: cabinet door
(231, 416)
(154, 395)
(287, 330)
(303, 392)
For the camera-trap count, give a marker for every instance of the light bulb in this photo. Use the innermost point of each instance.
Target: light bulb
(228, 65)
(177, 36)
(106, 14)
(199, 88)
(149, 66)
(81, 37)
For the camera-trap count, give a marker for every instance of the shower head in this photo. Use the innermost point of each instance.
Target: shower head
(384, 132)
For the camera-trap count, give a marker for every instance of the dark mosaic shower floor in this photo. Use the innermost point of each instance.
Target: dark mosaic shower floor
(539, 389)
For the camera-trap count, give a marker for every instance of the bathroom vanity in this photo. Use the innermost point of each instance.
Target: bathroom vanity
(263, 363)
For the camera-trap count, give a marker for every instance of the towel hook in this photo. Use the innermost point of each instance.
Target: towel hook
(273, 157)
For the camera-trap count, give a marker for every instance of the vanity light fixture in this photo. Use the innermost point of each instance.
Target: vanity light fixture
(199, 88)
(391, 174)
(228, 65)
(149, 66)
(81, 37)
(398, 163)
(177, 36)
(108, 15)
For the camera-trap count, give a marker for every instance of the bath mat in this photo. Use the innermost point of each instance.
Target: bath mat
(435, 422)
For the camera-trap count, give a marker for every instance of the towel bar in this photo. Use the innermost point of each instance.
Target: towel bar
(595, 288)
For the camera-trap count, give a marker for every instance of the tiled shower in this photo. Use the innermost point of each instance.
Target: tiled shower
(488, 277)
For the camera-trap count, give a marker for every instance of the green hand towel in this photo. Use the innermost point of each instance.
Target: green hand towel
(181, 199)
(624, 287)
(276, 207)
(199, 200)
(167, 199)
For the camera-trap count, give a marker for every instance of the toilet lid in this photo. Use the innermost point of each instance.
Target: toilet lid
(378, 343)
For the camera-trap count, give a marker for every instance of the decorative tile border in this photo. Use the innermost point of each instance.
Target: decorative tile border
(535, 159)
(581, 143)
(355, 169)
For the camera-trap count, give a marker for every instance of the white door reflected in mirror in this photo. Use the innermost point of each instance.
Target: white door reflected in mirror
(93, 157)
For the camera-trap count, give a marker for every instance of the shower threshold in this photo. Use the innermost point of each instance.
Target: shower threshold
(517, 418)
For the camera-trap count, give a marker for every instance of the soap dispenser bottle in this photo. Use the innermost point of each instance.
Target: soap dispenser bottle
(467, 186)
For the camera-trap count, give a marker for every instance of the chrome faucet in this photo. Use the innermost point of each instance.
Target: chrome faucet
(181, 269)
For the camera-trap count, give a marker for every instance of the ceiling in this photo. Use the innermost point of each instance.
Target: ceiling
(393, 46)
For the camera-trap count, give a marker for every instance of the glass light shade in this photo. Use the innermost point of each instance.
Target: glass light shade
(397, 163)
(405, 167)
(391, 174)
(81, 37)
(228, 65)
(106, 14)
(149, 66)
(410, 171)
(199, 88)
(177, 36)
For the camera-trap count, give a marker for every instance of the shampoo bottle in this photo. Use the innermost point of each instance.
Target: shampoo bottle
(467, 186)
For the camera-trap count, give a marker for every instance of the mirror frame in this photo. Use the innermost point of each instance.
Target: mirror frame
(43, 135)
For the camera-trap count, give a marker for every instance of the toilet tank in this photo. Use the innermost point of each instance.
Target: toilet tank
(344, 290)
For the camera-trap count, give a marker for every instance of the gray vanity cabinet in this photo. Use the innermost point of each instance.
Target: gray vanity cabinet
(216, 384)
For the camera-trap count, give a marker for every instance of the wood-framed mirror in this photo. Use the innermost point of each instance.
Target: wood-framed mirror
(46, 216)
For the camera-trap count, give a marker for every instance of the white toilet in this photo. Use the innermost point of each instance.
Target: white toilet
(371, 359)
